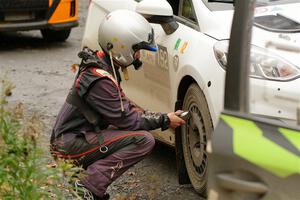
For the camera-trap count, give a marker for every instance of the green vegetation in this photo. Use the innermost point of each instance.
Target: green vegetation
(24, 169)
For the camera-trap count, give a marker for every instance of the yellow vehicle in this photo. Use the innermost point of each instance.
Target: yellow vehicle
(54, 18)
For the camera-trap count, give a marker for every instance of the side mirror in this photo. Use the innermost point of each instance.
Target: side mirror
(158, 12)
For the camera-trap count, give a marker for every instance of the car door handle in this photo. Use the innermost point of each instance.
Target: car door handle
(230, 182)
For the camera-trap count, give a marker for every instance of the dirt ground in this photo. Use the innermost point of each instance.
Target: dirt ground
(42, 75)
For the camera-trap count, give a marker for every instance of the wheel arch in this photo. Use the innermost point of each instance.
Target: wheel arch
(184, 84)
(207, 83)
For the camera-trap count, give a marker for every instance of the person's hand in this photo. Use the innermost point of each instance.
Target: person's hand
(175, 121)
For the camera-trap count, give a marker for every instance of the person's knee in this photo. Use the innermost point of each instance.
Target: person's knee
(148, 141)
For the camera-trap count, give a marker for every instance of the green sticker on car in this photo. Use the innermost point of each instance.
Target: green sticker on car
(177, 44)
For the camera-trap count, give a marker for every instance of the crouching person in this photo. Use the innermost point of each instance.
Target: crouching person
(98, 127)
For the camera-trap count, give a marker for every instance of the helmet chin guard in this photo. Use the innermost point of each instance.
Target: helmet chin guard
(137, 63)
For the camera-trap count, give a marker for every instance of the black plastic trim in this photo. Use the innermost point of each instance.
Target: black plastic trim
(61, 26)
(23, 26)
(53, 8)
(277, 30)
(26, 26)
(183, 177)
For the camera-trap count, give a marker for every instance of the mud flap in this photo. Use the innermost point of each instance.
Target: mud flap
(183, 176)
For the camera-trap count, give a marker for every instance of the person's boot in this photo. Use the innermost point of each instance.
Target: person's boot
(85, 194)
(105, 197)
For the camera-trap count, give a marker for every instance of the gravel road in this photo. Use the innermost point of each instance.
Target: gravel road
(42, 75)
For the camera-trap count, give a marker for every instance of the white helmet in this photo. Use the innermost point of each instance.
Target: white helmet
(124, 32)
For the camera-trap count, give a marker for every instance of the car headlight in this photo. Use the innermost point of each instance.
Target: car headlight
(263, 64)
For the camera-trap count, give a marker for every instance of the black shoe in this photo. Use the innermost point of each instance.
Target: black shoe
(105, 197)
(85, 194)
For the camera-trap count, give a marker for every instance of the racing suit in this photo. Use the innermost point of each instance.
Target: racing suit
(121, 139)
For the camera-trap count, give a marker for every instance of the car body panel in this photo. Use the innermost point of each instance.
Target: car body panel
(62, 13)
(253, 157)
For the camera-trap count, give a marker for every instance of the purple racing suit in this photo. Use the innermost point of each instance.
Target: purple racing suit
(123, 138)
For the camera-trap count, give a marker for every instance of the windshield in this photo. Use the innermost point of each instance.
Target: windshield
(219, 6)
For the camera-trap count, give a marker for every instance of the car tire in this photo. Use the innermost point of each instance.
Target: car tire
(195, 135)
(55, 35)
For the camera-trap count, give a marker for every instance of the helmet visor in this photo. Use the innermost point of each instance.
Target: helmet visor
(149, 45)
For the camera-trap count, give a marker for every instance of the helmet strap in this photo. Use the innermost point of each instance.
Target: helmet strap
(115, 75)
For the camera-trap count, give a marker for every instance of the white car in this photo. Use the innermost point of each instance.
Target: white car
(188, 70)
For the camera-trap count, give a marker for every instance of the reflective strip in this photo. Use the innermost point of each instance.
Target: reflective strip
(78, 80)
(102, 73)
(249, 143)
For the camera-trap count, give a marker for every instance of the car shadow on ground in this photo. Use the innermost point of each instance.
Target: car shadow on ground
(10, 41)
(154, 178)
(164, 153)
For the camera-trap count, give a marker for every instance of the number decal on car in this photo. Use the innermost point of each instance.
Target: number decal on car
(162, 60)
(148, 57)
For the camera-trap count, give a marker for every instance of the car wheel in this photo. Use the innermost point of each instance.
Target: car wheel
(55, 35)
(195, 134)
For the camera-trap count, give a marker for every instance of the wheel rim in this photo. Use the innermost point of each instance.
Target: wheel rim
(196, 140)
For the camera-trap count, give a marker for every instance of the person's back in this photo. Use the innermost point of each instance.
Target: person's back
(70, 117)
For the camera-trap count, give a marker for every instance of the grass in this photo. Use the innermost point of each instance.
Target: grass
(25, 172)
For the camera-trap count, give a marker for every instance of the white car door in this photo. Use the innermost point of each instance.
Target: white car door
(153, 86)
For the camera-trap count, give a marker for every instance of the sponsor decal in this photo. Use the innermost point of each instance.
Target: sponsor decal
(284, 36)
(162, 60)
(176, 62)
(148, 57)
(177, 44)
(184, 46)
(114, 39)
(275, 9)
(265, 10)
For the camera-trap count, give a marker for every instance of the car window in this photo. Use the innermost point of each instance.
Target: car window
(187, 10)
(184, 12)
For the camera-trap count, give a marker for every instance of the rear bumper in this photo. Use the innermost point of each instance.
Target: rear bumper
(26, 26)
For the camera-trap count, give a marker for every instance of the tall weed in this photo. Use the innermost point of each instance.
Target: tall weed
(24, 169)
